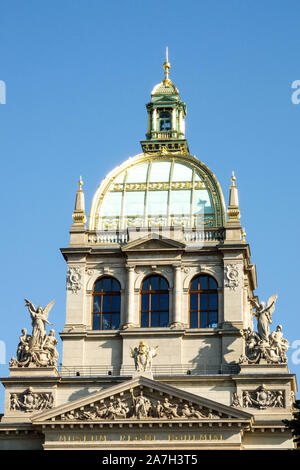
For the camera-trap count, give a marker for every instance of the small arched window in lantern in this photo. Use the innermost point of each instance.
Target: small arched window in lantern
(165, 122)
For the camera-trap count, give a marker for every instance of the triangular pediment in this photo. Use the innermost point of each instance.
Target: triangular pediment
(140, 399)
(153, 242)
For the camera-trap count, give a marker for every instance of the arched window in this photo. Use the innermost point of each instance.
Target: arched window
(106, 304)
(203, 302)
(164, 121)
(154, 302)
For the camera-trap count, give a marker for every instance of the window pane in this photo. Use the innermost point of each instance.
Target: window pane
(204, 282)
(180, 202)
(111, 205)
(212, 283)
(213, 301)
(202, 204)
(203, 301)
(106, 305)
(145, 320)
(106, 284)
(135, 203)
(154, 302)
(115, 286)
(96, 322)
(145, 302)
(97, 304)
(154, 283)
(203, 319)
(106, 321)
(163, 284)
(137, 174)
(160, 171)
(146, 285)
(115, 318)
(98, 285)
(194, 301)
(193, 320)
(164, 302)
(164, 319)
(182, 173)
(213, 320)
(194, 284)
(115, 300)
(154, 319)
(157, 202)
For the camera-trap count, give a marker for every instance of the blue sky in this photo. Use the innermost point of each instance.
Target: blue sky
(78, 75)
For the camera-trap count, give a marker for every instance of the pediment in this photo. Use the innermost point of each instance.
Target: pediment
(153, 242)
(140, 400)
(164, 99)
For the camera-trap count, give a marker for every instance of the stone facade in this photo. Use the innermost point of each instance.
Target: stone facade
(171, 386)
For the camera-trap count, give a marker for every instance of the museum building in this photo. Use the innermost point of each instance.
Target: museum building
(160, 346)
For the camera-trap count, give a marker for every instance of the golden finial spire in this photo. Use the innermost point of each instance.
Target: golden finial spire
(80, 183)
(167, 67)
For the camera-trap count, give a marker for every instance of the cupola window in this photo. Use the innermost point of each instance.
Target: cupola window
(165, 123)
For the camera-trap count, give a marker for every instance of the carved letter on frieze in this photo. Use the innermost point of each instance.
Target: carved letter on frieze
(232, 276)
(74, 280)
(30, 401)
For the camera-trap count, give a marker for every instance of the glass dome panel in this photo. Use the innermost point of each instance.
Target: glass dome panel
(182, 173)
(180, 202)
(134, 203)
(111, 205)
(157, 202)
(160, 172)
(137, 174)
(202, 202)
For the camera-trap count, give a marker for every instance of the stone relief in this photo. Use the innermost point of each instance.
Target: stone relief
(138, 406)
(263, 345)
(232, 276)
(261, 398)
(31, 401)
(143, 357)
(74, 280)
(37, 349)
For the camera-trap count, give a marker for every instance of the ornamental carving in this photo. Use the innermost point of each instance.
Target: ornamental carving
(143, 357)
(37, 349)
(30, 401)
(261, 398)
(264, 345)
(138, 405)
(74, 280)
(232, 276)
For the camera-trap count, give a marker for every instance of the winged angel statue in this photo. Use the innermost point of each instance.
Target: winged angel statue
(143, 356)
(37, 349)
(271, 347)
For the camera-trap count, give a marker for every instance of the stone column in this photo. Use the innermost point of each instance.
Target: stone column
(130, 307)
(177, 298)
